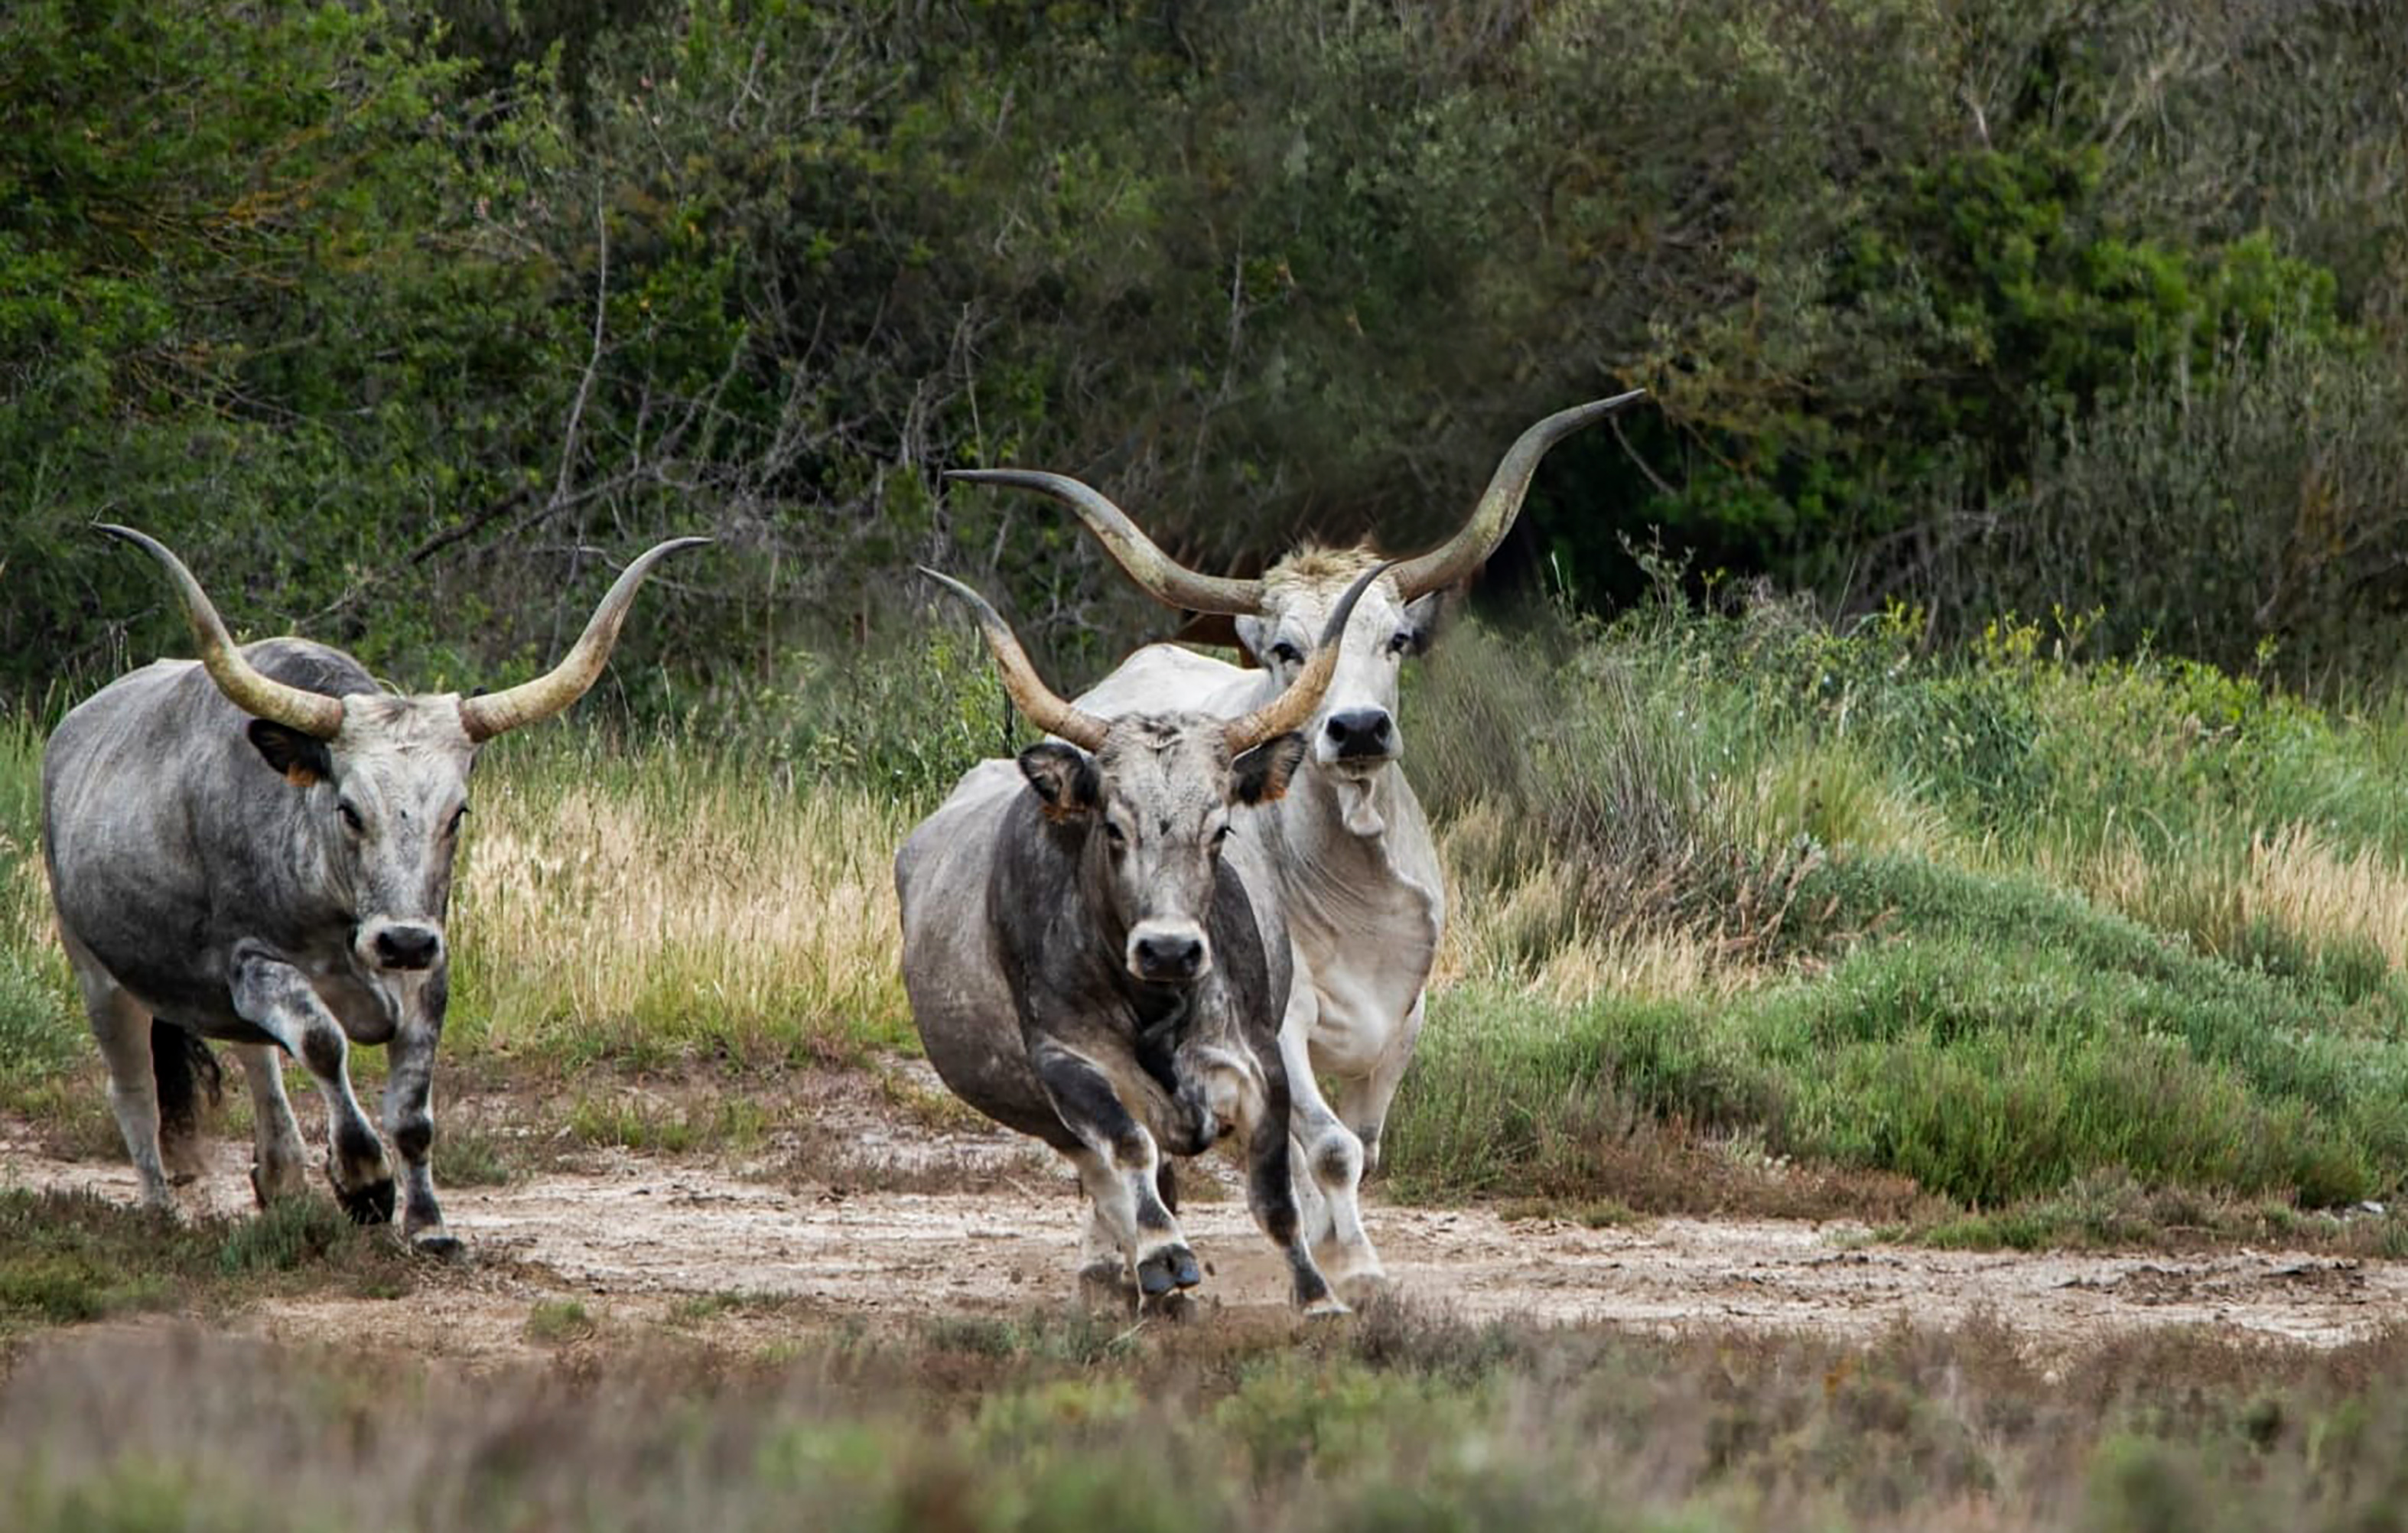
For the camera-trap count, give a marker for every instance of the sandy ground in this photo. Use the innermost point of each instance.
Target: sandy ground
(631, 1236)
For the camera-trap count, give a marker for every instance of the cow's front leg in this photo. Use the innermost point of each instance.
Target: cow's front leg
(1365, 1099)
(1118, 1166)
(279, 1000)
(1331, 1159)
(410, 1120)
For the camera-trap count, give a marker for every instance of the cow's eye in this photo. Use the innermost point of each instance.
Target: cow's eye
(1288, 653)
(1401, 642)
(351, 820)
(1114, 834)
(459, 816)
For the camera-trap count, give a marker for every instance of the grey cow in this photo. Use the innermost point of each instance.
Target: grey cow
(1346, 860)
(256, 847)
(1085, 969)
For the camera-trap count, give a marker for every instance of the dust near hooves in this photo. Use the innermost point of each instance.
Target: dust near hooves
(634, 1241)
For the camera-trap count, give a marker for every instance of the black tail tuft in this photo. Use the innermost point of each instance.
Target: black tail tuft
(185, 1072)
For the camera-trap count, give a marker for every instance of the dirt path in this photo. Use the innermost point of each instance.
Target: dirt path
(631, 1236)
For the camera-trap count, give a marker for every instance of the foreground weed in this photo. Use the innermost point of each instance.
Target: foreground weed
(1402, 1418)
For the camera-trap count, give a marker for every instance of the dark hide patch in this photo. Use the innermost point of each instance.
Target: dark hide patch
(1262, 773)
(1163, 1014)
(297, 758)
(184, 1073)
(1065, 778)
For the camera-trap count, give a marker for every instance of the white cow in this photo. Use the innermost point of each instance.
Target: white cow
(1348, 849)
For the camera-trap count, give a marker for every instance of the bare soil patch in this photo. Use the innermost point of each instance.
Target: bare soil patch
(634, 1239)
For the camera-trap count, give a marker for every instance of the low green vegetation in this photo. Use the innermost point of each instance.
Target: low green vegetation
(1047, 1421)
(554, 1322)
(69, 1257)
(1991, 919)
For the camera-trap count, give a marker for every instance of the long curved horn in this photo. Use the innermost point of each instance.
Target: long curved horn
(1037, 703)
(1493, 518)
(1292, 708)
(1170, 580)
(311, 713)
(492, 714)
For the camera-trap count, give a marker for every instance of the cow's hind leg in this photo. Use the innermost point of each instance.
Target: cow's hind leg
(183, 1072)
(279, 1167)
(122, 1030)
(1270, 1196)
(1365, 1100)
(276, 998)
(1330, 1161)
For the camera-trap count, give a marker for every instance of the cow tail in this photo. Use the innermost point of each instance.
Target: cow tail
(184, 1070)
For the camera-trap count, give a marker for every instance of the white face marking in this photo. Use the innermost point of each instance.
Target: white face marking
(395, 810)
(1354, 731)
(1166, 789)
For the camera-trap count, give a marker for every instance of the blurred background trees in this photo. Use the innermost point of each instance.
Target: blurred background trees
(400, 321)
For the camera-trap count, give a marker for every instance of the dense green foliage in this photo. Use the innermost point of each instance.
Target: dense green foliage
(398, 319)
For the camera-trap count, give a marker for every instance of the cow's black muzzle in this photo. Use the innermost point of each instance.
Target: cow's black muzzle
(409, 947)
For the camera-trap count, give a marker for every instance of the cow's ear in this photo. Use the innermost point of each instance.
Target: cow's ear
(299, 758)
(1254, 634)
(1064, 775)
(1429, 615)
(1263, 772)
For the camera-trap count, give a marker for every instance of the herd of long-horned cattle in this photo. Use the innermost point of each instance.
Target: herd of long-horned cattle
(1210, 889)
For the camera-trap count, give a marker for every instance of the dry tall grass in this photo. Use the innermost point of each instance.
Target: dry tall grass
(1056, 1421)
(639, 907)
(2278, 893)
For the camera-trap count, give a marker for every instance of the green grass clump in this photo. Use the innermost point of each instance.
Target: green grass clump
(1998, 1041)
(733, 1124)
(66, 1257)
(553, 1321)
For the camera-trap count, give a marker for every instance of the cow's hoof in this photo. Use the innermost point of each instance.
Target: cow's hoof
(1327, 1306)
(371, 1204)
(1360, 1288)
(441, 1244)
(1172, 1266)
